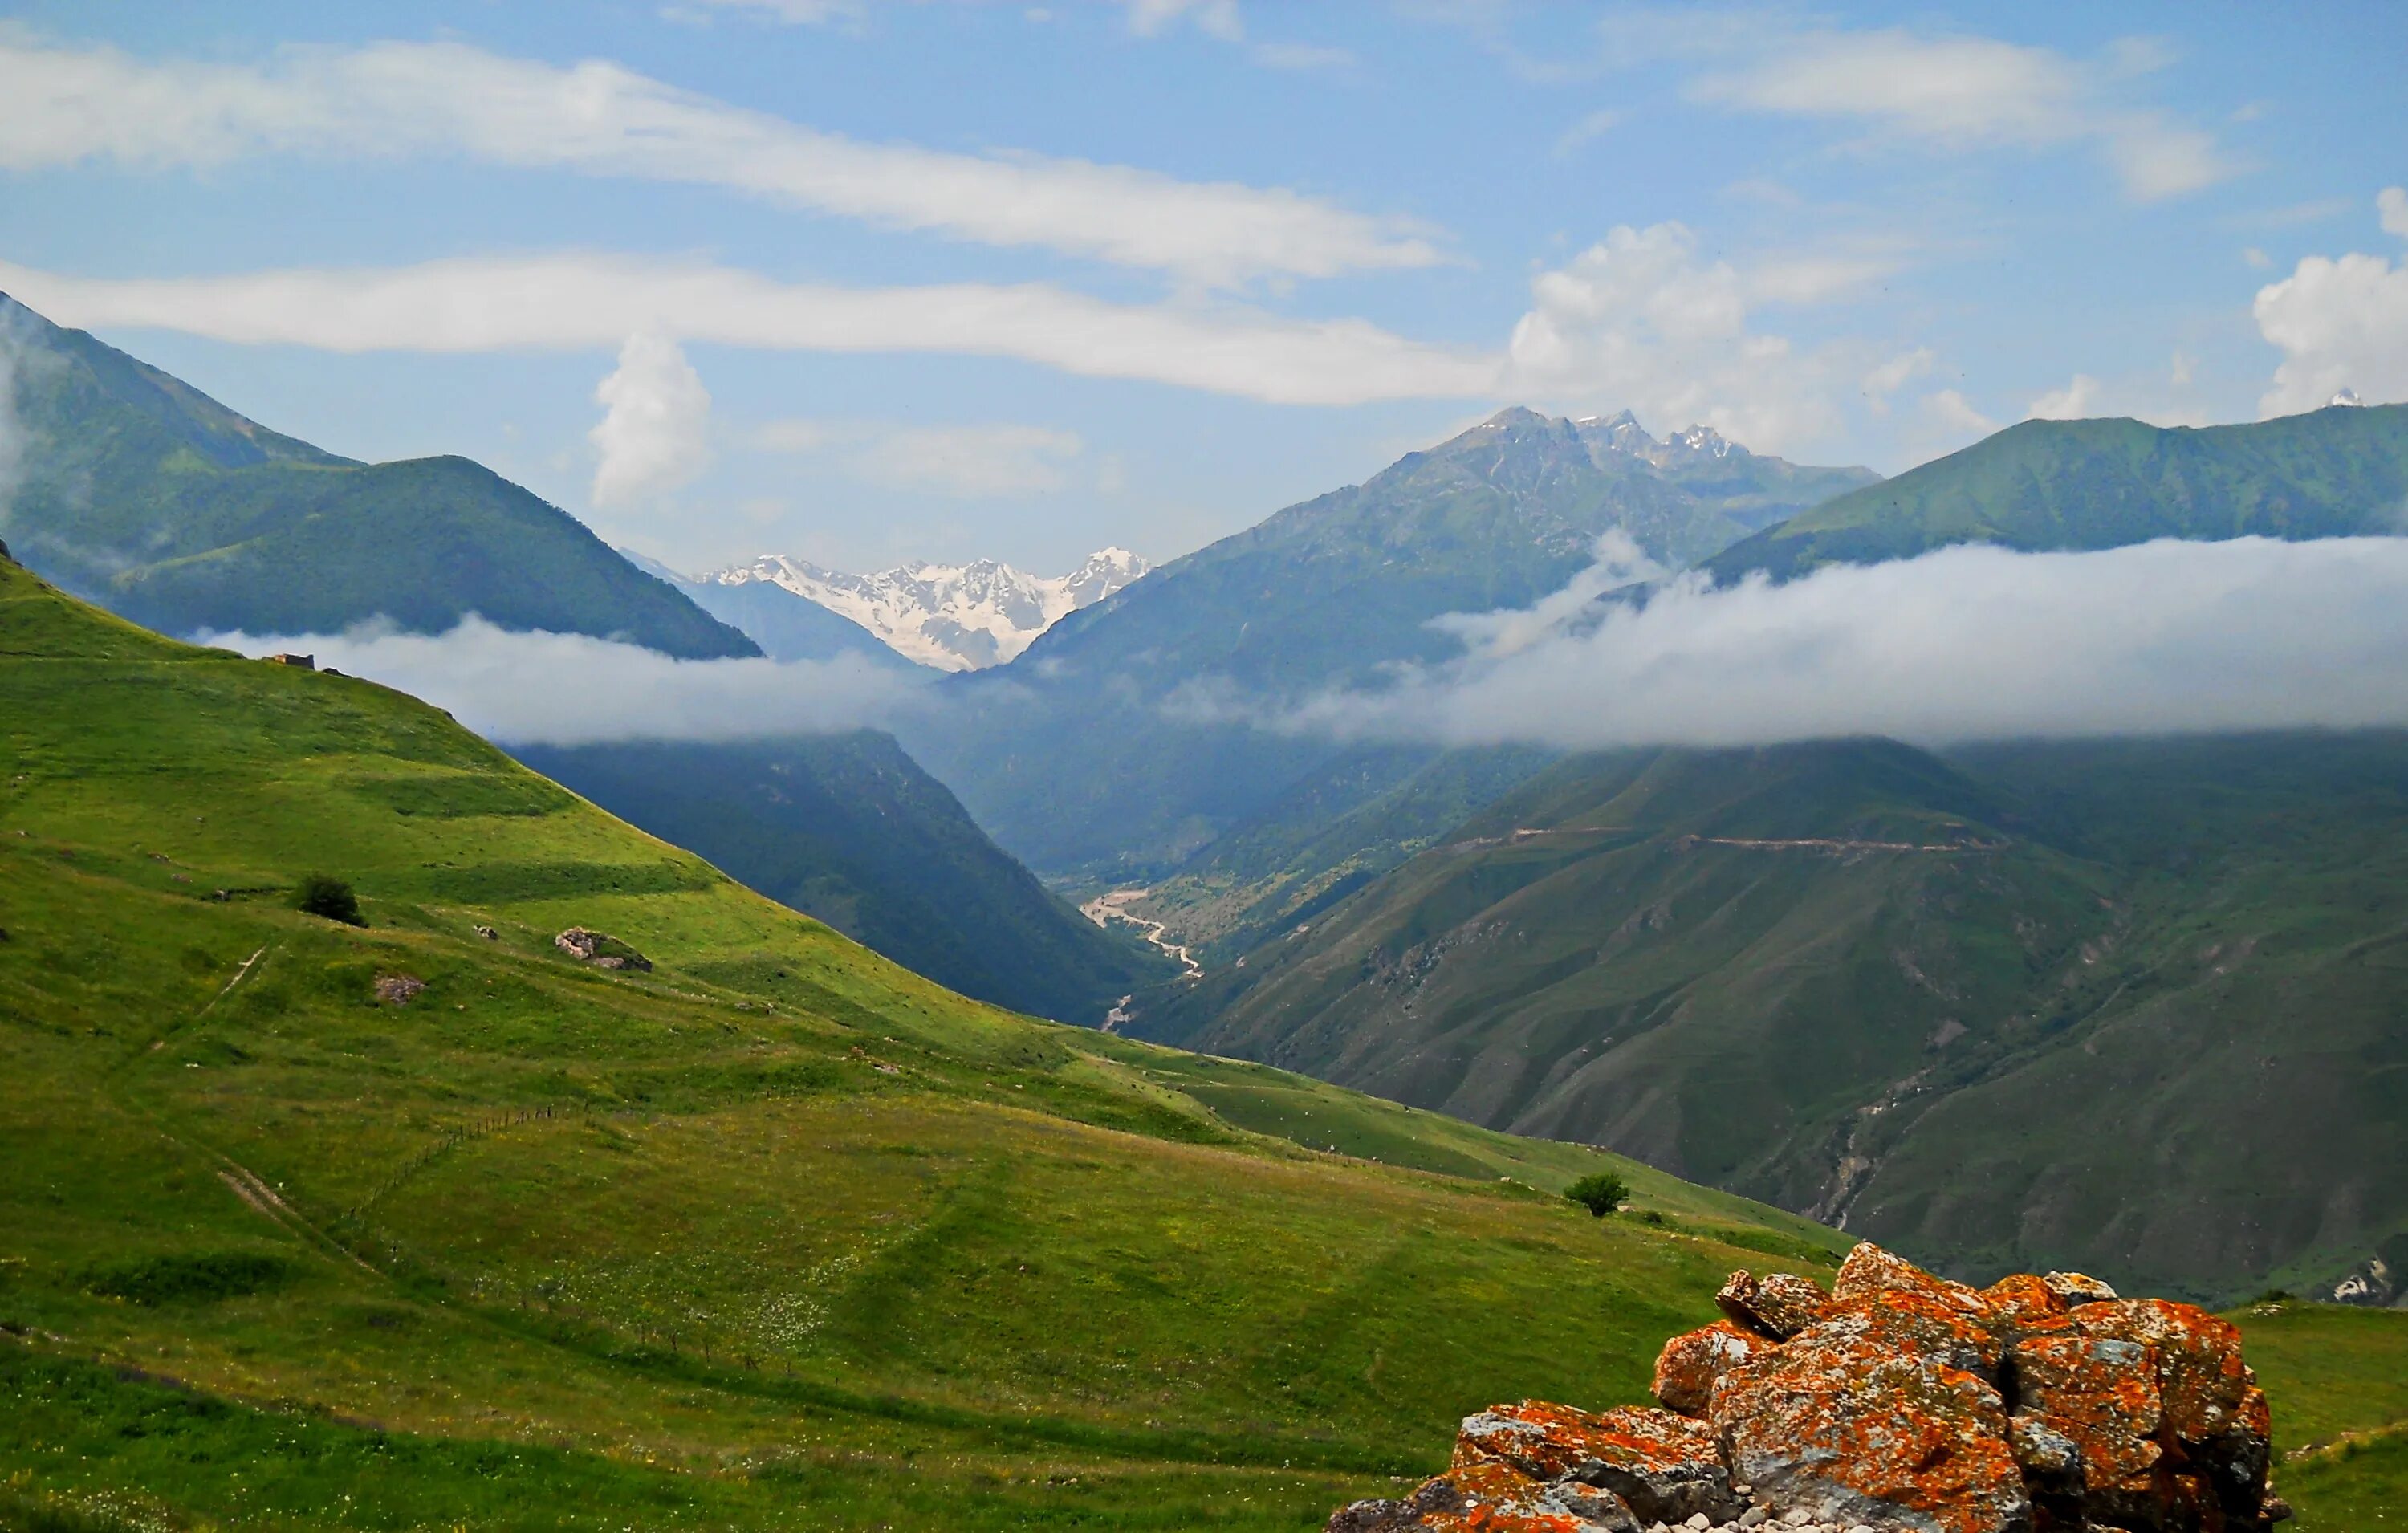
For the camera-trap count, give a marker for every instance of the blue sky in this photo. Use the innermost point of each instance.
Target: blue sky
(882, 281)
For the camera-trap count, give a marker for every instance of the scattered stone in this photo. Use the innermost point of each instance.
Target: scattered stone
(1778, 1306)
(1884, 1407)
(1687, 1368)
(600, 949)
(398, 989)
(298, 662)
(2077, 1288)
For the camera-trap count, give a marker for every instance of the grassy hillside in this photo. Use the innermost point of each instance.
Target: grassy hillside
(776, 1234)
(143, 494)
(848, 828)
(2035, 1008)
(2339, 1378)
(2096, 485)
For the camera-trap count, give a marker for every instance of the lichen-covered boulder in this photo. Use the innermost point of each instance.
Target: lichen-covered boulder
(2023, 1305)
(1490, 1498)
(1852, 1430)
(1687, 1368)
(2214, 1412)
(1666, 1468)
(2079, 1288)
(2099, 1394)
(1915, 1321)
(1779, 1305)
(1870, 1273)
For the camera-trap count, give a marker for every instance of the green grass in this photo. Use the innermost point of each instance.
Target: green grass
(776, 1235)
(2338, 1381)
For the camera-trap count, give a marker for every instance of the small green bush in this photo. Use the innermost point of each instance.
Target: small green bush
(1601, 1194)
(322, 895)
(167, 1280)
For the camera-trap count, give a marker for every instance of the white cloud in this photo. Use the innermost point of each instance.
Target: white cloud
(2341, 323)
(1893, 375)
(1638, 321)
(64, 106)
(589, 302)
(1964, 643)
(542, 688)
(655, 432)
(1220, 20)
(2391, 210)
(2077, 399)
(966, 461)
(2256, 259)
(1956, 416)
(1964, 92)
(1595, 124)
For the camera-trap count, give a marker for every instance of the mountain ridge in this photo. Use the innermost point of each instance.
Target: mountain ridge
(139, 491)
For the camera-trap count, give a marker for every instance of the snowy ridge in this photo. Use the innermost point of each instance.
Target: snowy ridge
(954, 617)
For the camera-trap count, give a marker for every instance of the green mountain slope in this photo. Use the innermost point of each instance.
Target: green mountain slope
(2034, 1008)
(775, 1234)
(2095, 484)
(143, 494)
(1107, 748)
(848, 828)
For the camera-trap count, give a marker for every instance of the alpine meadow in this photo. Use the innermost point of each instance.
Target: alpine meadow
(1187, 764)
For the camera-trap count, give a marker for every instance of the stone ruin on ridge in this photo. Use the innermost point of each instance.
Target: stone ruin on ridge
(1900, 1402)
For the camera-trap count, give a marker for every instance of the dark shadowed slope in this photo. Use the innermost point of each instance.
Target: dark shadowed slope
(848, 828)
(2041, 1006)
(141, 493)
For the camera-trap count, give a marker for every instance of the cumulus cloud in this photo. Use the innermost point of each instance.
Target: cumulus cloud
(1964, 92)
(967, 461)
(2078, 398)
(1639, 321)
(2341, 323)
(1964, 643)
(63, 105)
(567, 689)
(590, 302)
(654, 431)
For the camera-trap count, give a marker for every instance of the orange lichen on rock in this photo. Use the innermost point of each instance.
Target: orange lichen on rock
(1664, 1465)
(1886, 1405)
(1687, 1368)
(1852, 1429)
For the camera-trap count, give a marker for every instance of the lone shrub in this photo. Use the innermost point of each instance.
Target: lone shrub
(331, 897)
(1601, 1194)
(212, 1275)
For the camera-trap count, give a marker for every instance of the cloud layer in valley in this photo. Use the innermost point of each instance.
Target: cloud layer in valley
(567, 689)
(1964, 643)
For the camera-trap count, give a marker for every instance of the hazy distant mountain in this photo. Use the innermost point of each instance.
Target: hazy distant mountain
(2095, 484)
(139, 492)
(1088, 755)
(954, 617)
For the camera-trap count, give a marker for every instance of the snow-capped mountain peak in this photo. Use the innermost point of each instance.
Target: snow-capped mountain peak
(956, 617)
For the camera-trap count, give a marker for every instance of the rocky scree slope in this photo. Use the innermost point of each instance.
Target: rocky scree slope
(1898, 1402)
(143, 494)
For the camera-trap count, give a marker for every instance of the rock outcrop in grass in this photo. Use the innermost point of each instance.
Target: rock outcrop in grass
(1898, 1402)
